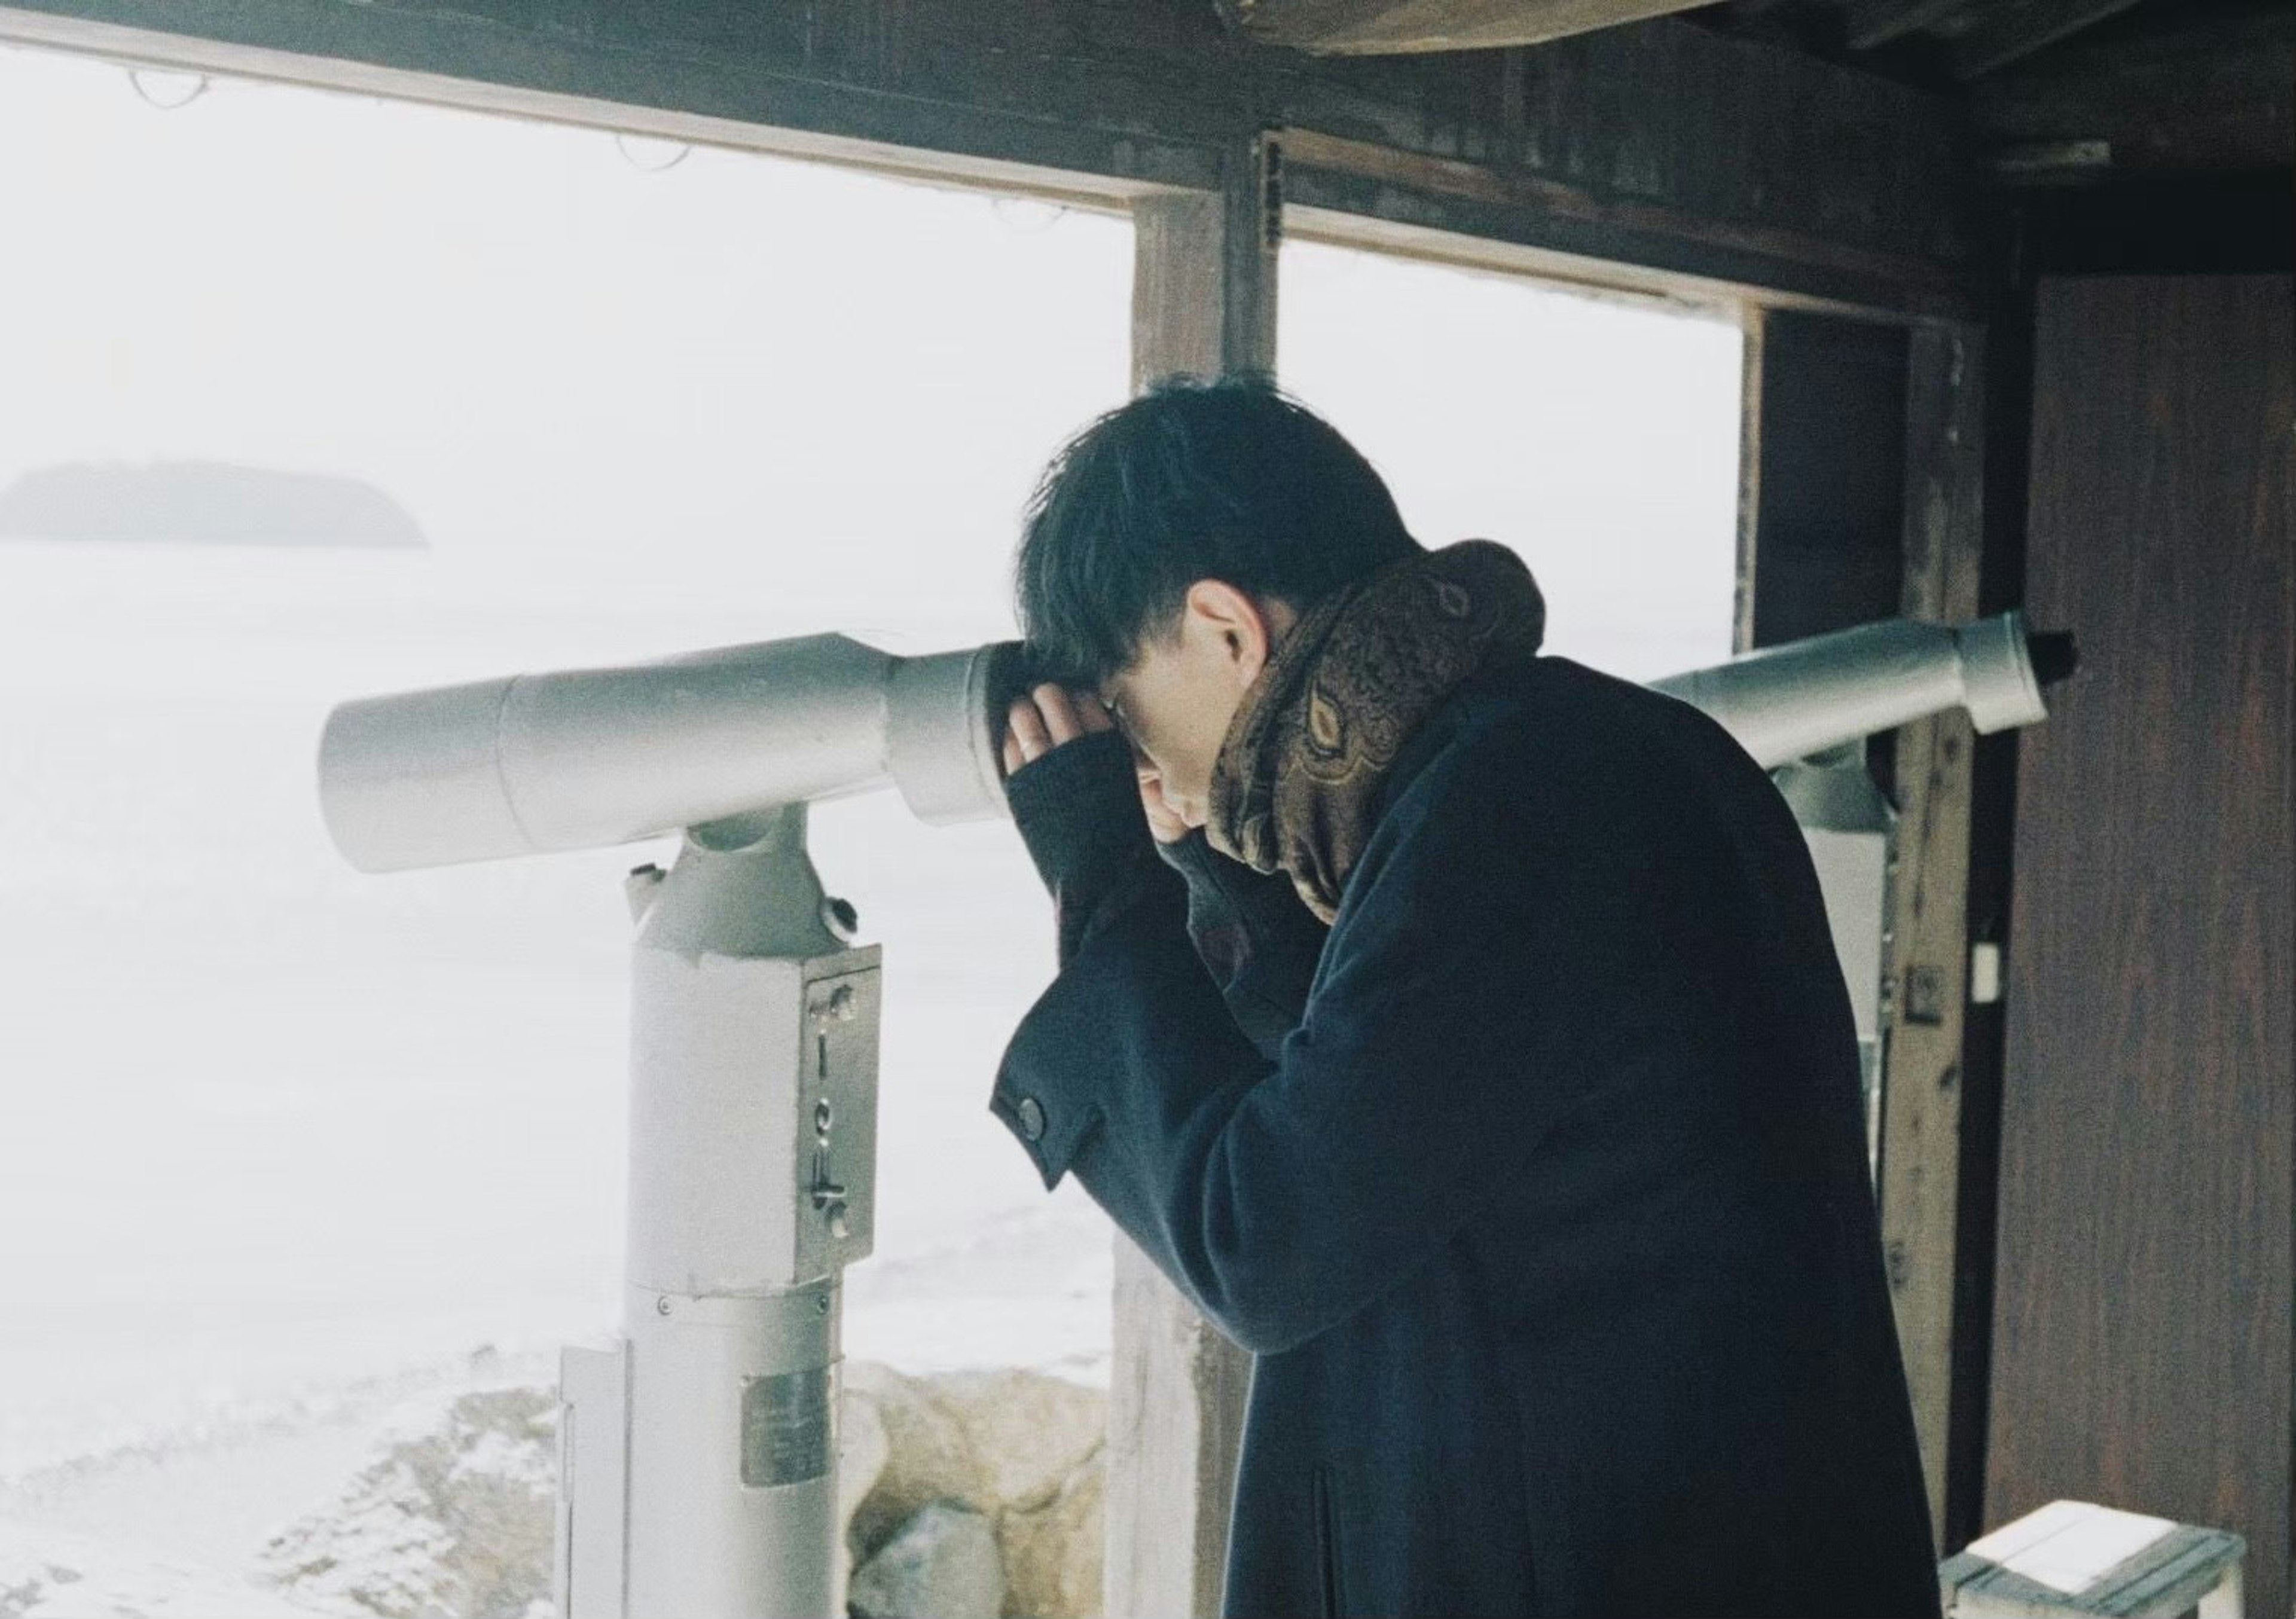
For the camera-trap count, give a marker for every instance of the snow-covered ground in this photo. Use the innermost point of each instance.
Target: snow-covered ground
(283, 1147)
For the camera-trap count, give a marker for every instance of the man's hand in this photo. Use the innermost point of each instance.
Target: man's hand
(1046, 718)
(1051, 714)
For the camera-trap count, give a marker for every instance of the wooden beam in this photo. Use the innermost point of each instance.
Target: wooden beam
(1920, 1169)
(1533, 208)
(1877, 22)
(1755, 323)
(2215, 96)
(666, 87)
(1381, 28)
(1179, 285)
(2016, 29)
(1175, 1403)
(1606, 280)
(1099, 103)
(1251, 219)
(1863, 447)
(1203, 303)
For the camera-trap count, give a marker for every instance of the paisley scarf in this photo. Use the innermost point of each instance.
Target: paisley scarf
(1297, 784)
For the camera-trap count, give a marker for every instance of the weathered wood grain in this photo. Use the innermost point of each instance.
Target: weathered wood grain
(1203, 302)
(1105, 98)
(1178, 286)
(1385, 27)
(1875, 22)
(2215, 93)
(2010, 30)
(1920, 1169)
(1755, 324)
(1368, 179)
(1176, 1393)
(2142, 1318)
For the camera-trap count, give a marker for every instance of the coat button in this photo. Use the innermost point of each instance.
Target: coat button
(1032, 1119)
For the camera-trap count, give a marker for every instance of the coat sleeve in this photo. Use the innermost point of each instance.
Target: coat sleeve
(1484, 970)
(1254, 934)
(1078, 811)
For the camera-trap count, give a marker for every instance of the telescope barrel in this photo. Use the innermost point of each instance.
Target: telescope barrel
(1788, 702)
(588, 759)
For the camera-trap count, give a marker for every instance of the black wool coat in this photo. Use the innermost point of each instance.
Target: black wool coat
(1537, 1186)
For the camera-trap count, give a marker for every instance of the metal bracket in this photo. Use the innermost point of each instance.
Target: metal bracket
(593, 1481)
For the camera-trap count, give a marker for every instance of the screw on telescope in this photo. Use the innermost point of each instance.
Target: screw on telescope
(639, 888)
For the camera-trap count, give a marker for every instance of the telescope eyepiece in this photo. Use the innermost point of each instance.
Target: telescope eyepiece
(2054, 655)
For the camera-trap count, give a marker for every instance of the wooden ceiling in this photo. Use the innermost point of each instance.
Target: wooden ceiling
(1958, 41)
(2064, 90)
(2057, 90)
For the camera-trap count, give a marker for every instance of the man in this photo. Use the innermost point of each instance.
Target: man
(1475, 1055)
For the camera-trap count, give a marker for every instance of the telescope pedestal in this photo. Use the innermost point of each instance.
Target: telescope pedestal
(698, 1455)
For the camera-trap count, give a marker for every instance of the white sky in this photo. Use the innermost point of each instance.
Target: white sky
(633, 411)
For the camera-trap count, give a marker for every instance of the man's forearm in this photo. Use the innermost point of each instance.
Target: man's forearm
(1078, 815)
(1254, 934)
(1078, 811)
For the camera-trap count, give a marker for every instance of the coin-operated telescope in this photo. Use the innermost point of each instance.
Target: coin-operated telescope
(699, 1454)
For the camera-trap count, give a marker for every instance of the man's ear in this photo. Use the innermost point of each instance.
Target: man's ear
(1243, 628)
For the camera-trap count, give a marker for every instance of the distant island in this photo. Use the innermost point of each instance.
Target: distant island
(202, 503)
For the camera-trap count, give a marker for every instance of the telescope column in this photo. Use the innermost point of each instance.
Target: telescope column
(700, 1455)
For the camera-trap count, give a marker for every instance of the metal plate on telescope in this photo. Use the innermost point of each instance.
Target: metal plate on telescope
(788, 1434)
(836, 1146)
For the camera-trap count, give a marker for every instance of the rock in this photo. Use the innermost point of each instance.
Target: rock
(1037, 1443)
(1027, 1432)
(940, 1563)
(929, 1456)
(1021, 1448)
(1053, 1556)
(456, 1517)
(861, 1451)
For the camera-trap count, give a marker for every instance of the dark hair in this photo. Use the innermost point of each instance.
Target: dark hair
(1229, 480)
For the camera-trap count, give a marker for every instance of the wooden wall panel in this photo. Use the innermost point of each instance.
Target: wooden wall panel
(2142, 1302)
(1920, 1123)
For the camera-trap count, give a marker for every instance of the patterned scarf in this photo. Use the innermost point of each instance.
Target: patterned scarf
(1300, 771)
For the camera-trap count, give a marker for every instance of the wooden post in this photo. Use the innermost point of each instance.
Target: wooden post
(1203, 303)
(1754, 323)
(1920, 1170)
